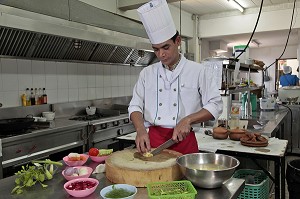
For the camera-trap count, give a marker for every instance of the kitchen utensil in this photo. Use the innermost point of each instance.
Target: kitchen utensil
(93, 183)
(127, 187)
(90, 110)
(163, 146)
(139, 172)
(48, 115)
(207, 170)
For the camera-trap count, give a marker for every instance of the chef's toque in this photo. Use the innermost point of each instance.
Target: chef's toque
(157, 20)
(287, 69)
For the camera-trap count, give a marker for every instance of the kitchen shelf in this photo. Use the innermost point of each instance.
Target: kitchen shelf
(243, 67)
(237, 90)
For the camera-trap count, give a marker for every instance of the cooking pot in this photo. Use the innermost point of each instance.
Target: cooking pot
(15, 124)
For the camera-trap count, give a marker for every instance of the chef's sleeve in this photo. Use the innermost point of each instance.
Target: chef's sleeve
(138, 96)
(211, 98)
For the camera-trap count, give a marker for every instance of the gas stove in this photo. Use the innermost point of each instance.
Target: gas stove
(87, 117)
(33, 127)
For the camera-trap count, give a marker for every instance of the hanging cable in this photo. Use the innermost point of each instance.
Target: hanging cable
(288, 37)
(260, 9)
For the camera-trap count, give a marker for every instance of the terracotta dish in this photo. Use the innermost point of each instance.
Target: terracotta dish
(254, 140)
(236, 134)
(220, 133)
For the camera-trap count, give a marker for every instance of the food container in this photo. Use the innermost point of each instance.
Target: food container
(99, 159)
(127, 187)
(236, 134)
(90, 110)
(92, 185)
(207, 170)
(182, 189)
(72, 177)
(49, 115)
(73, 163)
(220, 133)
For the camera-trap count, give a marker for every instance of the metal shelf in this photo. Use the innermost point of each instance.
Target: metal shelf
(237, 90)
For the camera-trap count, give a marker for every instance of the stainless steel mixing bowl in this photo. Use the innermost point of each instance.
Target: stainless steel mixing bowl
(205, 177)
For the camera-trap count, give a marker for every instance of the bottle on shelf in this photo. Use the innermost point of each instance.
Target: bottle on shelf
(40, 96)
(32, 97)
(45, 100)
(28, 102)
(36, 96)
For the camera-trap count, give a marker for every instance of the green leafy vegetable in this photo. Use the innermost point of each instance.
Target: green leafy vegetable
(118, 193)
(30, 175)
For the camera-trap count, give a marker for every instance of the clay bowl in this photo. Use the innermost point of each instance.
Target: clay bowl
(220, 133)
(236, 134)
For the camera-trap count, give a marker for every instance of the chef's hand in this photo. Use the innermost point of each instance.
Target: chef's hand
(181, 130)
(142, 142)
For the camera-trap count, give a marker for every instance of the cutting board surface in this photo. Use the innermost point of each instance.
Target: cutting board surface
(124, 167)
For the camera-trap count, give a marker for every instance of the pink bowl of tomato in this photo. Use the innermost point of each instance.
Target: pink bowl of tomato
(81, 187)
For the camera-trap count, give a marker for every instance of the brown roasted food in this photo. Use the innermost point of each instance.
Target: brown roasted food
(254, 140)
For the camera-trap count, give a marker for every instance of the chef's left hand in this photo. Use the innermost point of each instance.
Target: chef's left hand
(181, 130)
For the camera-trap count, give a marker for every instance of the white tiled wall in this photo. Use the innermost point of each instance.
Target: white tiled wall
(64, 81)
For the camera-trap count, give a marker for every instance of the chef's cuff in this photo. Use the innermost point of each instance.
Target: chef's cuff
(132, 109)
(213, 110)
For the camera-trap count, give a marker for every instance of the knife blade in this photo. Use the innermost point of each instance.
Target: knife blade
(163, 146)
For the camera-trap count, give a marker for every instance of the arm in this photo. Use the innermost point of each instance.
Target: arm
(142, 138)
(183, 128)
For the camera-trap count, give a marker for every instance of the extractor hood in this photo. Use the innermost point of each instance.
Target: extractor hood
(73, 31)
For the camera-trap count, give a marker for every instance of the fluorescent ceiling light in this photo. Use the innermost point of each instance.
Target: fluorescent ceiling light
(236, 5)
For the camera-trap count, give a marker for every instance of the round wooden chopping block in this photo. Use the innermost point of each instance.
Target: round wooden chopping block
(129, 168)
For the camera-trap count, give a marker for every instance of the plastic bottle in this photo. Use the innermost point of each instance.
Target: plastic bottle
(45, 100)
(23, 98)
(248, 108)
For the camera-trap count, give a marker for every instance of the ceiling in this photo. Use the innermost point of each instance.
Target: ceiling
(266, 39)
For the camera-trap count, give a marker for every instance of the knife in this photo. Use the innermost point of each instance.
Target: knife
(163, 146)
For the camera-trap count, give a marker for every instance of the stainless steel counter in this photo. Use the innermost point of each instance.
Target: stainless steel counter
(230, 190)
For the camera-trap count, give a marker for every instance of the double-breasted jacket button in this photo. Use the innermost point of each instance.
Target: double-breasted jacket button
(160, 90)
(174, 104)
(174, 89)
(158, 118)
(160, 104)
(173, 118)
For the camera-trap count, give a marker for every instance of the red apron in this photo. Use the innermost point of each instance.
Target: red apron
(159, 135)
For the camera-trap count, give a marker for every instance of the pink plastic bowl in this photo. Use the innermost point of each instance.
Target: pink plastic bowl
(76, 163)
(90, 170)
(81, 193)
(99, 158)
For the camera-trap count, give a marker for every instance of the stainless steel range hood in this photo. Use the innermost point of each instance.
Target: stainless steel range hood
(73, 31)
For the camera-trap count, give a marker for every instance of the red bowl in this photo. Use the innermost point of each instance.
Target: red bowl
(99, 158)
(72, 163)
(89, 169)
(84, 192)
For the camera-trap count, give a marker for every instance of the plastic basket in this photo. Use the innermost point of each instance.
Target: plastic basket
(258, 190)
(171, 190)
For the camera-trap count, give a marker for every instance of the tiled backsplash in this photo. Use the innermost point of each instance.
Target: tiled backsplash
(64, 81)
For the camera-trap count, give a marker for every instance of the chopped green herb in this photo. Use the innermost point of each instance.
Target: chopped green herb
(118, 193)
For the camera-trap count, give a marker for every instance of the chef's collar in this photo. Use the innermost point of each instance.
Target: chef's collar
(172, 68)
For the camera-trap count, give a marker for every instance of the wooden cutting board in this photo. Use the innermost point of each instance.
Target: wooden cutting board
(126, 167)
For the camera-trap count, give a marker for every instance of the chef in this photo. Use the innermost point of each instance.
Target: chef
(173, 95)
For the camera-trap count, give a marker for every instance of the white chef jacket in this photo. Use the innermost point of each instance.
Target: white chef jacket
(164, 98)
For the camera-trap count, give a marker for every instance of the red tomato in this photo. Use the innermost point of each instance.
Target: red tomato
(93, 152)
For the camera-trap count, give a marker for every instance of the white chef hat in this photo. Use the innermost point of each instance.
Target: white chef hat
(287, 69)
(157, 20)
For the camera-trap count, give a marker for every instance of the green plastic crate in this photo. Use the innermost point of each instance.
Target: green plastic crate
(258, 190)
(167, 190)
